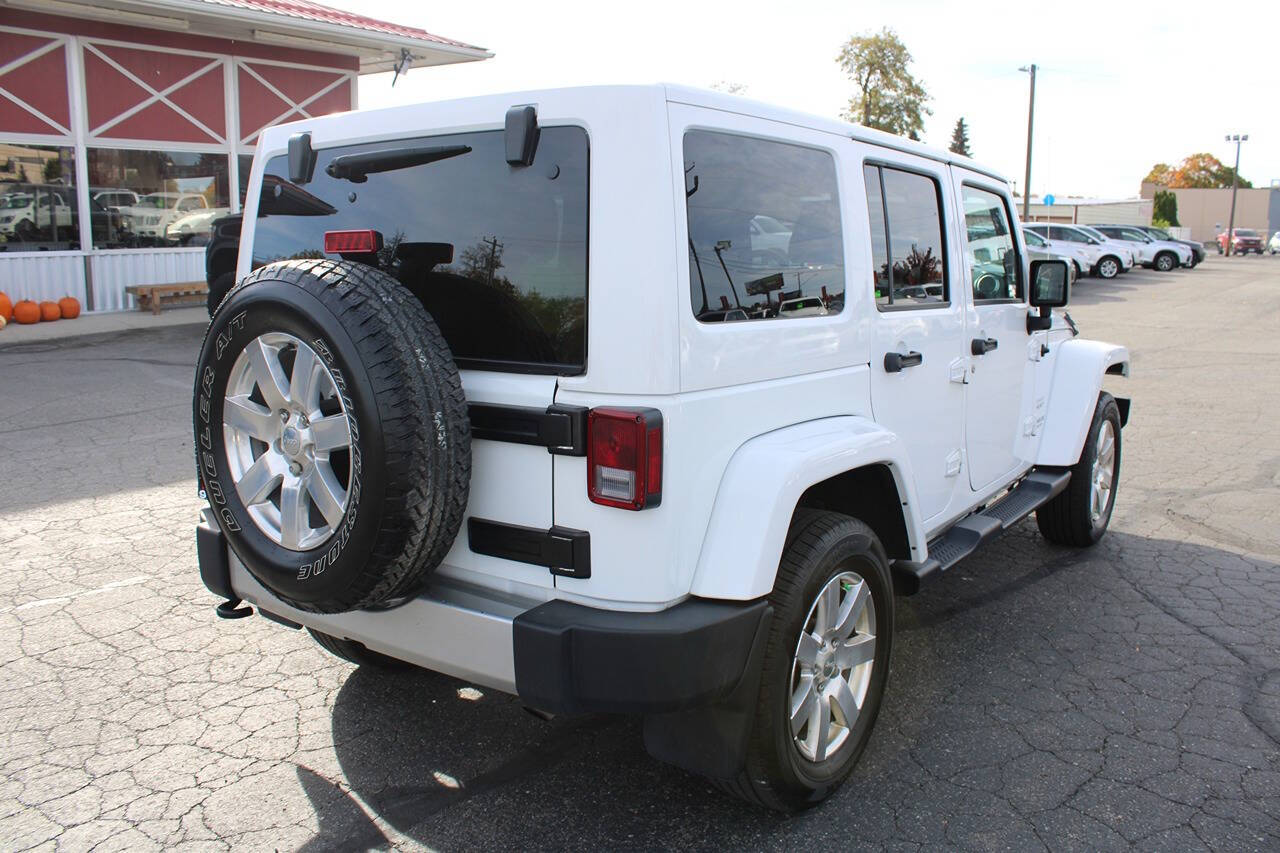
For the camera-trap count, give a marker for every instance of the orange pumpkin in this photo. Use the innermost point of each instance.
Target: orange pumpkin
(6, 307)
(50, 311)
(70, 307)
(26, 312)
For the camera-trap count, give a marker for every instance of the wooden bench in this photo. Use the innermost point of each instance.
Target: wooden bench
(156, 296)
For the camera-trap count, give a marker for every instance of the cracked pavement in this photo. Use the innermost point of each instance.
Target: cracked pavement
(1122, 696)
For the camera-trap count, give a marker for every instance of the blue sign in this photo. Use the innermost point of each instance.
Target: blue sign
(1049, 200)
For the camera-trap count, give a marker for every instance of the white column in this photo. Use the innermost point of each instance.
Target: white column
(231, 95)
(79, 133)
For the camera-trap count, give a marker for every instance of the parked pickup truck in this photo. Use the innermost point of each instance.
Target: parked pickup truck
(421, 441)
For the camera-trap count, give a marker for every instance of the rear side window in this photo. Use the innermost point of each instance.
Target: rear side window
(764, 229)
(497, 254)
(907, 248)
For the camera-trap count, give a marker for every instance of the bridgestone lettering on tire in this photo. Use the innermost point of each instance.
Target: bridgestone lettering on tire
(331, 434)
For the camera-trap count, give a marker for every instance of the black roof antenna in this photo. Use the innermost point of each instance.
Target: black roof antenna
(402, 64)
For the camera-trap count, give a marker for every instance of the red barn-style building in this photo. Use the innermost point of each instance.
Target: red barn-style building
(127, 126)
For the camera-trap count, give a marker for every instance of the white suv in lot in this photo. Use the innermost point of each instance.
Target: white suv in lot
(1163, 255)
(1106, 257)
(473, 406)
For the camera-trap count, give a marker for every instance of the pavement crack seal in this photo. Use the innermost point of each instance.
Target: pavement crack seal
(64, 599)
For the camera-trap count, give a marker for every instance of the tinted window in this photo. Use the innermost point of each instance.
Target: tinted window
(994, 267)
(764, 228)
(497, 254)
(904, 210)
(1034, 239)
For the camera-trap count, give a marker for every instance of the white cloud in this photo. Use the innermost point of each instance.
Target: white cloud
(1121, 85)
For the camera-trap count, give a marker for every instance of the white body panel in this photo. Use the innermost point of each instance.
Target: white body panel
(765, 479)
(1078, 368)
(754, 412)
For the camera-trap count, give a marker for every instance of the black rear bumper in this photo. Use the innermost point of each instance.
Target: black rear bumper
(570, 658)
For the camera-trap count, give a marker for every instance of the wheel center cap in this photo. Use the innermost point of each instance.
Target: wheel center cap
(291, 441)
(828, 669)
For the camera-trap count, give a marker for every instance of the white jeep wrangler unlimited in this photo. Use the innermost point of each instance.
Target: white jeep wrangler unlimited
(507, 390)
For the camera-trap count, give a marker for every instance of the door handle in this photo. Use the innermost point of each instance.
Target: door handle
(895, 361)
(981, 346)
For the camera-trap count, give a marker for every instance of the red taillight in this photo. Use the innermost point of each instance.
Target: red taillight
(352, 242)
(624, 457)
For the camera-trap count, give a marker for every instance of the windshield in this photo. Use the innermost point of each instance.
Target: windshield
(14, 201)
(1159, 233)
(1246, 232)
(797, 304)
(1097, 235)
(156, 200)
(497, 255)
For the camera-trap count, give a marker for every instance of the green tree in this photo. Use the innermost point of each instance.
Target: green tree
(1161, 173)
(52, 171)
(1164, 207)
(960, 139)
(888, 97)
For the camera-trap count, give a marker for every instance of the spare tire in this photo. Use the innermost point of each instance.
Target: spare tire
(331, 430)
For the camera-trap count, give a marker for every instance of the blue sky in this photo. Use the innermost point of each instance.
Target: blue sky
(1122, 85)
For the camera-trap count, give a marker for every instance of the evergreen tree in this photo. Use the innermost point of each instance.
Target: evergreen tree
(1164, 207)
(960, 139)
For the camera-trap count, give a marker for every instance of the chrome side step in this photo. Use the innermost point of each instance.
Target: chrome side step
(972, 532)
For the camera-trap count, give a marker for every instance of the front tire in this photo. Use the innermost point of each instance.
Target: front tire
(1109, 267)
(1166, 261)
(1080, 515)
(825, 666)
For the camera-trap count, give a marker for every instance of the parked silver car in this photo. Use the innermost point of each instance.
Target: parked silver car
(1106, 258)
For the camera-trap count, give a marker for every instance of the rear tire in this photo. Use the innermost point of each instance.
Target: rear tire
(831, 563)
(1079, 516)
(357, 653)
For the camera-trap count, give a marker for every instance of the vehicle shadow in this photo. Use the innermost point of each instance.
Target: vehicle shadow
(103, 415)
(1024, 656)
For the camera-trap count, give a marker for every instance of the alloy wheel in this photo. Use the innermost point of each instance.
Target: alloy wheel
(288, 441)
(1103, 474)
(831, 668)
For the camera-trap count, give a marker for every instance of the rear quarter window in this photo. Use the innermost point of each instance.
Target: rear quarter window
(497, 254)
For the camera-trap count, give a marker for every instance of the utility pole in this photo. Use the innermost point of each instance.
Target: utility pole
(494, 246)
(1235, 182)
(1031, 115)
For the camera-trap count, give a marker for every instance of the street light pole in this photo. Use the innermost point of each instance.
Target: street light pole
(1235, 182)
(1031, 115)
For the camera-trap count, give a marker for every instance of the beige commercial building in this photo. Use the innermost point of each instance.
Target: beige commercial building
(1090, 211)
(1206, 211)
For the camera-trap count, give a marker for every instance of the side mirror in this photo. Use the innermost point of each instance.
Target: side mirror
(1048, 291)
(1049, 284)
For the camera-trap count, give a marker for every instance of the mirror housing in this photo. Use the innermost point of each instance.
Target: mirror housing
(1049, 290)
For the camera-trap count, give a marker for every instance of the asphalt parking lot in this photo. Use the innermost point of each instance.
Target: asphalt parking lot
(1040, 697)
